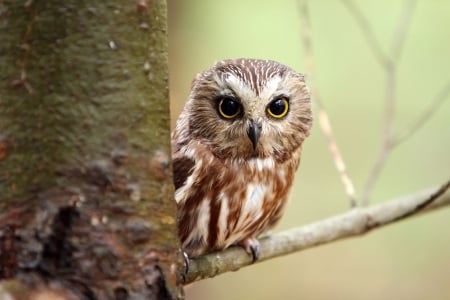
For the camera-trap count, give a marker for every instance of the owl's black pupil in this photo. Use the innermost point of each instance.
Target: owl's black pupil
(229, 106)
(277, 106)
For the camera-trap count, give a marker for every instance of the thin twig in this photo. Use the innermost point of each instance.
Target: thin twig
(353, 223)
(386, 145)
(398, 42)
(368, 33)
(390, 67)
(426, 115)
(398, 39)
(324, 120)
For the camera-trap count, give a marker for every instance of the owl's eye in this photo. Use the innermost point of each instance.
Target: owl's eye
(278, 108)
(229, 107)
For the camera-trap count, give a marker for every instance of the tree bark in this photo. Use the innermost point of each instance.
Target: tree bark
(86, 195)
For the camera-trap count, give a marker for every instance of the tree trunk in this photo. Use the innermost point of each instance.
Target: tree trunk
(86, 196)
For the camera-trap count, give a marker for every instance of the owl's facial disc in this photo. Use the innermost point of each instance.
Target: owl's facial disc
(254, 132)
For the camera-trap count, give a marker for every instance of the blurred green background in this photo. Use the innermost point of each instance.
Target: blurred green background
(408, 260)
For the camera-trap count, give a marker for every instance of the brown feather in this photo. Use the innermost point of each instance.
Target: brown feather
(182, 169)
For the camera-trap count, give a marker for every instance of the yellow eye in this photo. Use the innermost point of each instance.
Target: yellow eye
(278, 108)
(229, 107)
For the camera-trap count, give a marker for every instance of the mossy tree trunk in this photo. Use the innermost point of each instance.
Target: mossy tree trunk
(86, 207)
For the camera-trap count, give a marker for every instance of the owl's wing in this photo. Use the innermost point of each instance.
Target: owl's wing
(182, 168)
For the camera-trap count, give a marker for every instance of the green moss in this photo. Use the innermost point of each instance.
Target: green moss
(94, 77)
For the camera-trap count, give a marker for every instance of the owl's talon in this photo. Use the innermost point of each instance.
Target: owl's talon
(186, 263)
(252, 246)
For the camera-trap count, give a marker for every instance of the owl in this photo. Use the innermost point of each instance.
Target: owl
(236, 147)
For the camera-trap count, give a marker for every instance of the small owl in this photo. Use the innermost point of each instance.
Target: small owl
(236, 147)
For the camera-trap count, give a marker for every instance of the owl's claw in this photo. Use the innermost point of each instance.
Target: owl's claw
(252, 246)
(186, 263)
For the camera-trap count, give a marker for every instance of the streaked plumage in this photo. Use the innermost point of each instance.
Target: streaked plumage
(236, 147)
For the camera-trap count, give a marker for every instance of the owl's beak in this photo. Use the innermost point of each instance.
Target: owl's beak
(254, 132)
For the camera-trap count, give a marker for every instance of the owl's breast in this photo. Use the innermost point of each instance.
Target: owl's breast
(222, 203)
(265, 193)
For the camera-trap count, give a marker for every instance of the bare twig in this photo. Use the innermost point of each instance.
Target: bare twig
(324, 120)
(353, 223)
(386, 145)
(368, 33)
(398, 39)
(389, 64)
(438, 100)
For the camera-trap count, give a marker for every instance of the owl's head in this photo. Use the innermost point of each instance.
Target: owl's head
(247, 108)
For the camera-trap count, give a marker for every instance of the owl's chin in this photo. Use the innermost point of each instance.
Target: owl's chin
(240, 153)
(256, 153)
(251, 153)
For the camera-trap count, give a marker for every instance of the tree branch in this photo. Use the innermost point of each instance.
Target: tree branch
(353, 223)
